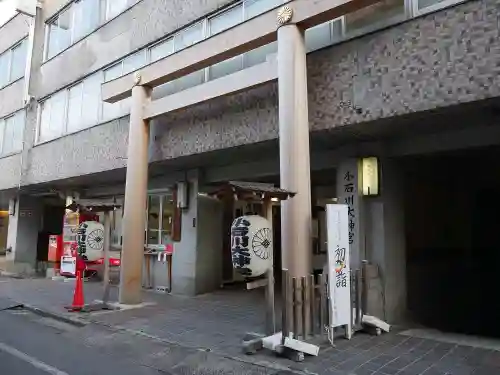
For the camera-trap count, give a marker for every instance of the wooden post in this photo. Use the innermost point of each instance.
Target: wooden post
(267, 208)
(285, 295)
(107, 241)
(169, 270)
(147, 260)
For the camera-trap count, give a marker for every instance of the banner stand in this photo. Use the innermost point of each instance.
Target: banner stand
(339, 272)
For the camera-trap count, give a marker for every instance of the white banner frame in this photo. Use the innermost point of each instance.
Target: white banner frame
(339, 272)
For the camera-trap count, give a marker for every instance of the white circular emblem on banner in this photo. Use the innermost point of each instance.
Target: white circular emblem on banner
(91, 240)
(251, 245)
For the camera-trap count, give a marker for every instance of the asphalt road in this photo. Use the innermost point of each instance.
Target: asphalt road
(32, 345)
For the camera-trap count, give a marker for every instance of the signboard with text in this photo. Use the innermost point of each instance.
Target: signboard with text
(348, 193)
(339, 273)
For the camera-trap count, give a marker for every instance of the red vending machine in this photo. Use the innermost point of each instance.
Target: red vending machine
(56, 252)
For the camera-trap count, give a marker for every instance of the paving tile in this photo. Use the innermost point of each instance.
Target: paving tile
(360, 371)
(486, 370)
(383, 359)
(401, 362)
(388, 370)
(418, 367)
(434, 371)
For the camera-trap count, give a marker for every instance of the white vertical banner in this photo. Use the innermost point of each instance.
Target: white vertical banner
(339, 272)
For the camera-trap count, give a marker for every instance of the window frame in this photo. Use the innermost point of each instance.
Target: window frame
(20, 44)
(9, 55)
(416, 12)
(162, 196)
(105, 17)
(149, 58)
(208, 31)
(2, 136)
(373, 26)
(67, 90)
(102, 9)
(3, 130)
(67, 107)
(65, 115)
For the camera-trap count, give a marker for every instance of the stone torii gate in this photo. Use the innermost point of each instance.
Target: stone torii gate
(287, 25)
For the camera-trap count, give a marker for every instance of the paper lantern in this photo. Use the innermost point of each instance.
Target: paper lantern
(251, 245)
(90, 238)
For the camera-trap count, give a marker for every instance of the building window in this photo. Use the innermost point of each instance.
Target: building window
(260, 55)
(18, 61)
(4, 69)
(159, 221)
(112, 111)
(254, 8)
(134, 62)
(75, 107)
(374, 16)
(91, 100)
(59, 33)
(225, 20)
(426, 6)
(52, 117)
(218, 24)
(72, 109)
(323, 35)
(114, 7)
(13, 63)
(188, 37)
(161, 50)
(79, 19)
(11, 133)
(85, 18)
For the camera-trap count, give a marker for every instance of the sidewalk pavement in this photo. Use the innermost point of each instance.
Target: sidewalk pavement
(216, 323)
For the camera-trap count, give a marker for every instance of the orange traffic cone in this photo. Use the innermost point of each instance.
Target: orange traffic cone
(78, 300)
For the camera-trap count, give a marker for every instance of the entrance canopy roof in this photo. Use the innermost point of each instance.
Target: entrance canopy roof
(92, 206)
(250, 191)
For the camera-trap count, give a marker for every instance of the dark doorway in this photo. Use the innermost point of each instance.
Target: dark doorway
(451, 209)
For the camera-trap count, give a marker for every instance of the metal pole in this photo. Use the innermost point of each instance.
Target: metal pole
(107, 241)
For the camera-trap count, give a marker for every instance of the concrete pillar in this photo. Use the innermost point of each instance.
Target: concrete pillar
(296, 226)
(136, 187)
(22, 235)
(386, 245)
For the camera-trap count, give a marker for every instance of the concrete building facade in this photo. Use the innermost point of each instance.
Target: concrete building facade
(402, 80)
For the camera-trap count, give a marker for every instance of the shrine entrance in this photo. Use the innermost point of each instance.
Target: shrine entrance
(451, 210)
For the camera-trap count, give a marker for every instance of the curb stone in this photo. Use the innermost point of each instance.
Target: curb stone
(59, 317)
(11, 275)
